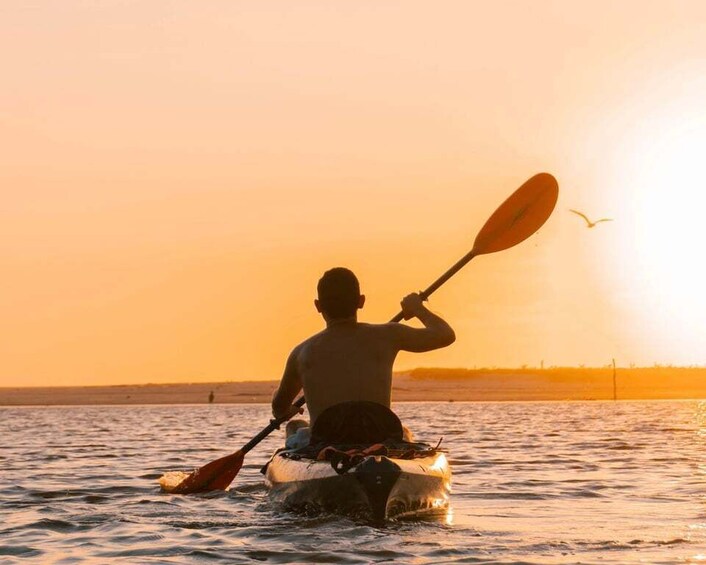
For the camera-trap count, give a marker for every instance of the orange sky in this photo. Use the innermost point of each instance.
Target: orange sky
(176, 175)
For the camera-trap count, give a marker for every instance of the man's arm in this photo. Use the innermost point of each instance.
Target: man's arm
(289, 387)
(435, 334)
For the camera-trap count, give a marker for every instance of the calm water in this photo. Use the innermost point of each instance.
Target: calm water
(553, 482)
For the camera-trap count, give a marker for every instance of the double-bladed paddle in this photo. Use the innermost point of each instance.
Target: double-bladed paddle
(516, 219)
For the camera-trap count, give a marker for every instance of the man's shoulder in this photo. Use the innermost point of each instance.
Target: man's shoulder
(382, 332)
(307, 342)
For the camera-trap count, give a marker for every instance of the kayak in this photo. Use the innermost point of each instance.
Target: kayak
(376, 487)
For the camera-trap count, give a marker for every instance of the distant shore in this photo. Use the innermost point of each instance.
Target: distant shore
(559, 383)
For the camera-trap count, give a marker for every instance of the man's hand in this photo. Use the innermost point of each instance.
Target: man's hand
(412, 306)
(436, 332)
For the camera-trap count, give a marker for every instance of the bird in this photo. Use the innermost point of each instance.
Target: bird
(589, 223)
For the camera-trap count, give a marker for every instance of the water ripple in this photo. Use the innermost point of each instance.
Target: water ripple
(533, 483)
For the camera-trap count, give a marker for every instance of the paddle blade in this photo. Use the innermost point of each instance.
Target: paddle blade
(216, 475)
(520, 216)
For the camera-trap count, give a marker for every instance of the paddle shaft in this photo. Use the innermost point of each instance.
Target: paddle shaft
(441, 280)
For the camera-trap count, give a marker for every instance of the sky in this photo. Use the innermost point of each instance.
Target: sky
(175, 176)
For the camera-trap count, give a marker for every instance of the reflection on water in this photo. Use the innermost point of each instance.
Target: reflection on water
(533, 483)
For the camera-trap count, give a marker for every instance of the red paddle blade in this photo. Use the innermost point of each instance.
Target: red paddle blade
(216, 475)
(520, 216)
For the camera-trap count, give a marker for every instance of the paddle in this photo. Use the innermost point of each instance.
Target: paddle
(520, 216)
(516, 219)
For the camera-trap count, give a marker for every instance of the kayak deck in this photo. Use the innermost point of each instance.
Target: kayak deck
(378, 487)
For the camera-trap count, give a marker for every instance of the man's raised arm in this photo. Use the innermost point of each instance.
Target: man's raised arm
(435, 334)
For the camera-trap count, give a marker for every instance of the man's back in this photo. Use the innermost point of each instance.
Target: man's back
(347, 361)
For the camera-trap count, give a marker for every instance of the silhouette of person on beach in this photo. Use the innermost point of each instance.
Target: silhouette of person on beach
(350, 361)
(211, 396)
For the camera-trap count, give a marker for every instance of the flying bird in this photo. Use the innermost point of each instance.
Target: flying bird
(589, 223)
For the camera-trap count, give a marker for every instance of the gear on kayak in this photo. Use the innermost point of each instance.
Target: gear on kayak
(357, 422)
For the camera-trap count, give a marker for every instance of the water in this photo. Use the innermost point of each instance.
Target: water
(555, 482)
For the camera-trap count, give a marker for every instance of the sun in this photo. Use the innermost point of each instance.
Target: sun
(666, 209)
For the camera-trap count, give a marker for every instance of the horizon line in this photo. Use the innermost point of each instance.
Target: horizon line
(406, 372)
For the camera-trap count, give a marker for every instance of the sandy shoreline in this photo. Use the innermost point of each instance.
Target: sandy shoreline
(417, 385)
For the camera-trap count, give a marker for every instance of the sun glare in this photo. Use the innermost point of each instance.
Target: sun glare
(667, 218)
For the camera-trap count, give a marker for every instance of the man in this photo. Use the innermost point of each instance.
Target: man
(348, 360)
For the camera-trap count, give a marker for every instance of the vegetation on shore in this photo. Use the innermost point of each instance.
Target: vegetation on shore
(575, 383)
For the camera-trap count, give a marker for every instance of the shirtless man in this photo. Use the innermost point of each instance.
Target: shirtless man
(350, 360)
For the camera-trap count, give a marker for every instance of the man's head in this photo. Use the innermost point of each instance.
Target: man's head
(339, 294)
